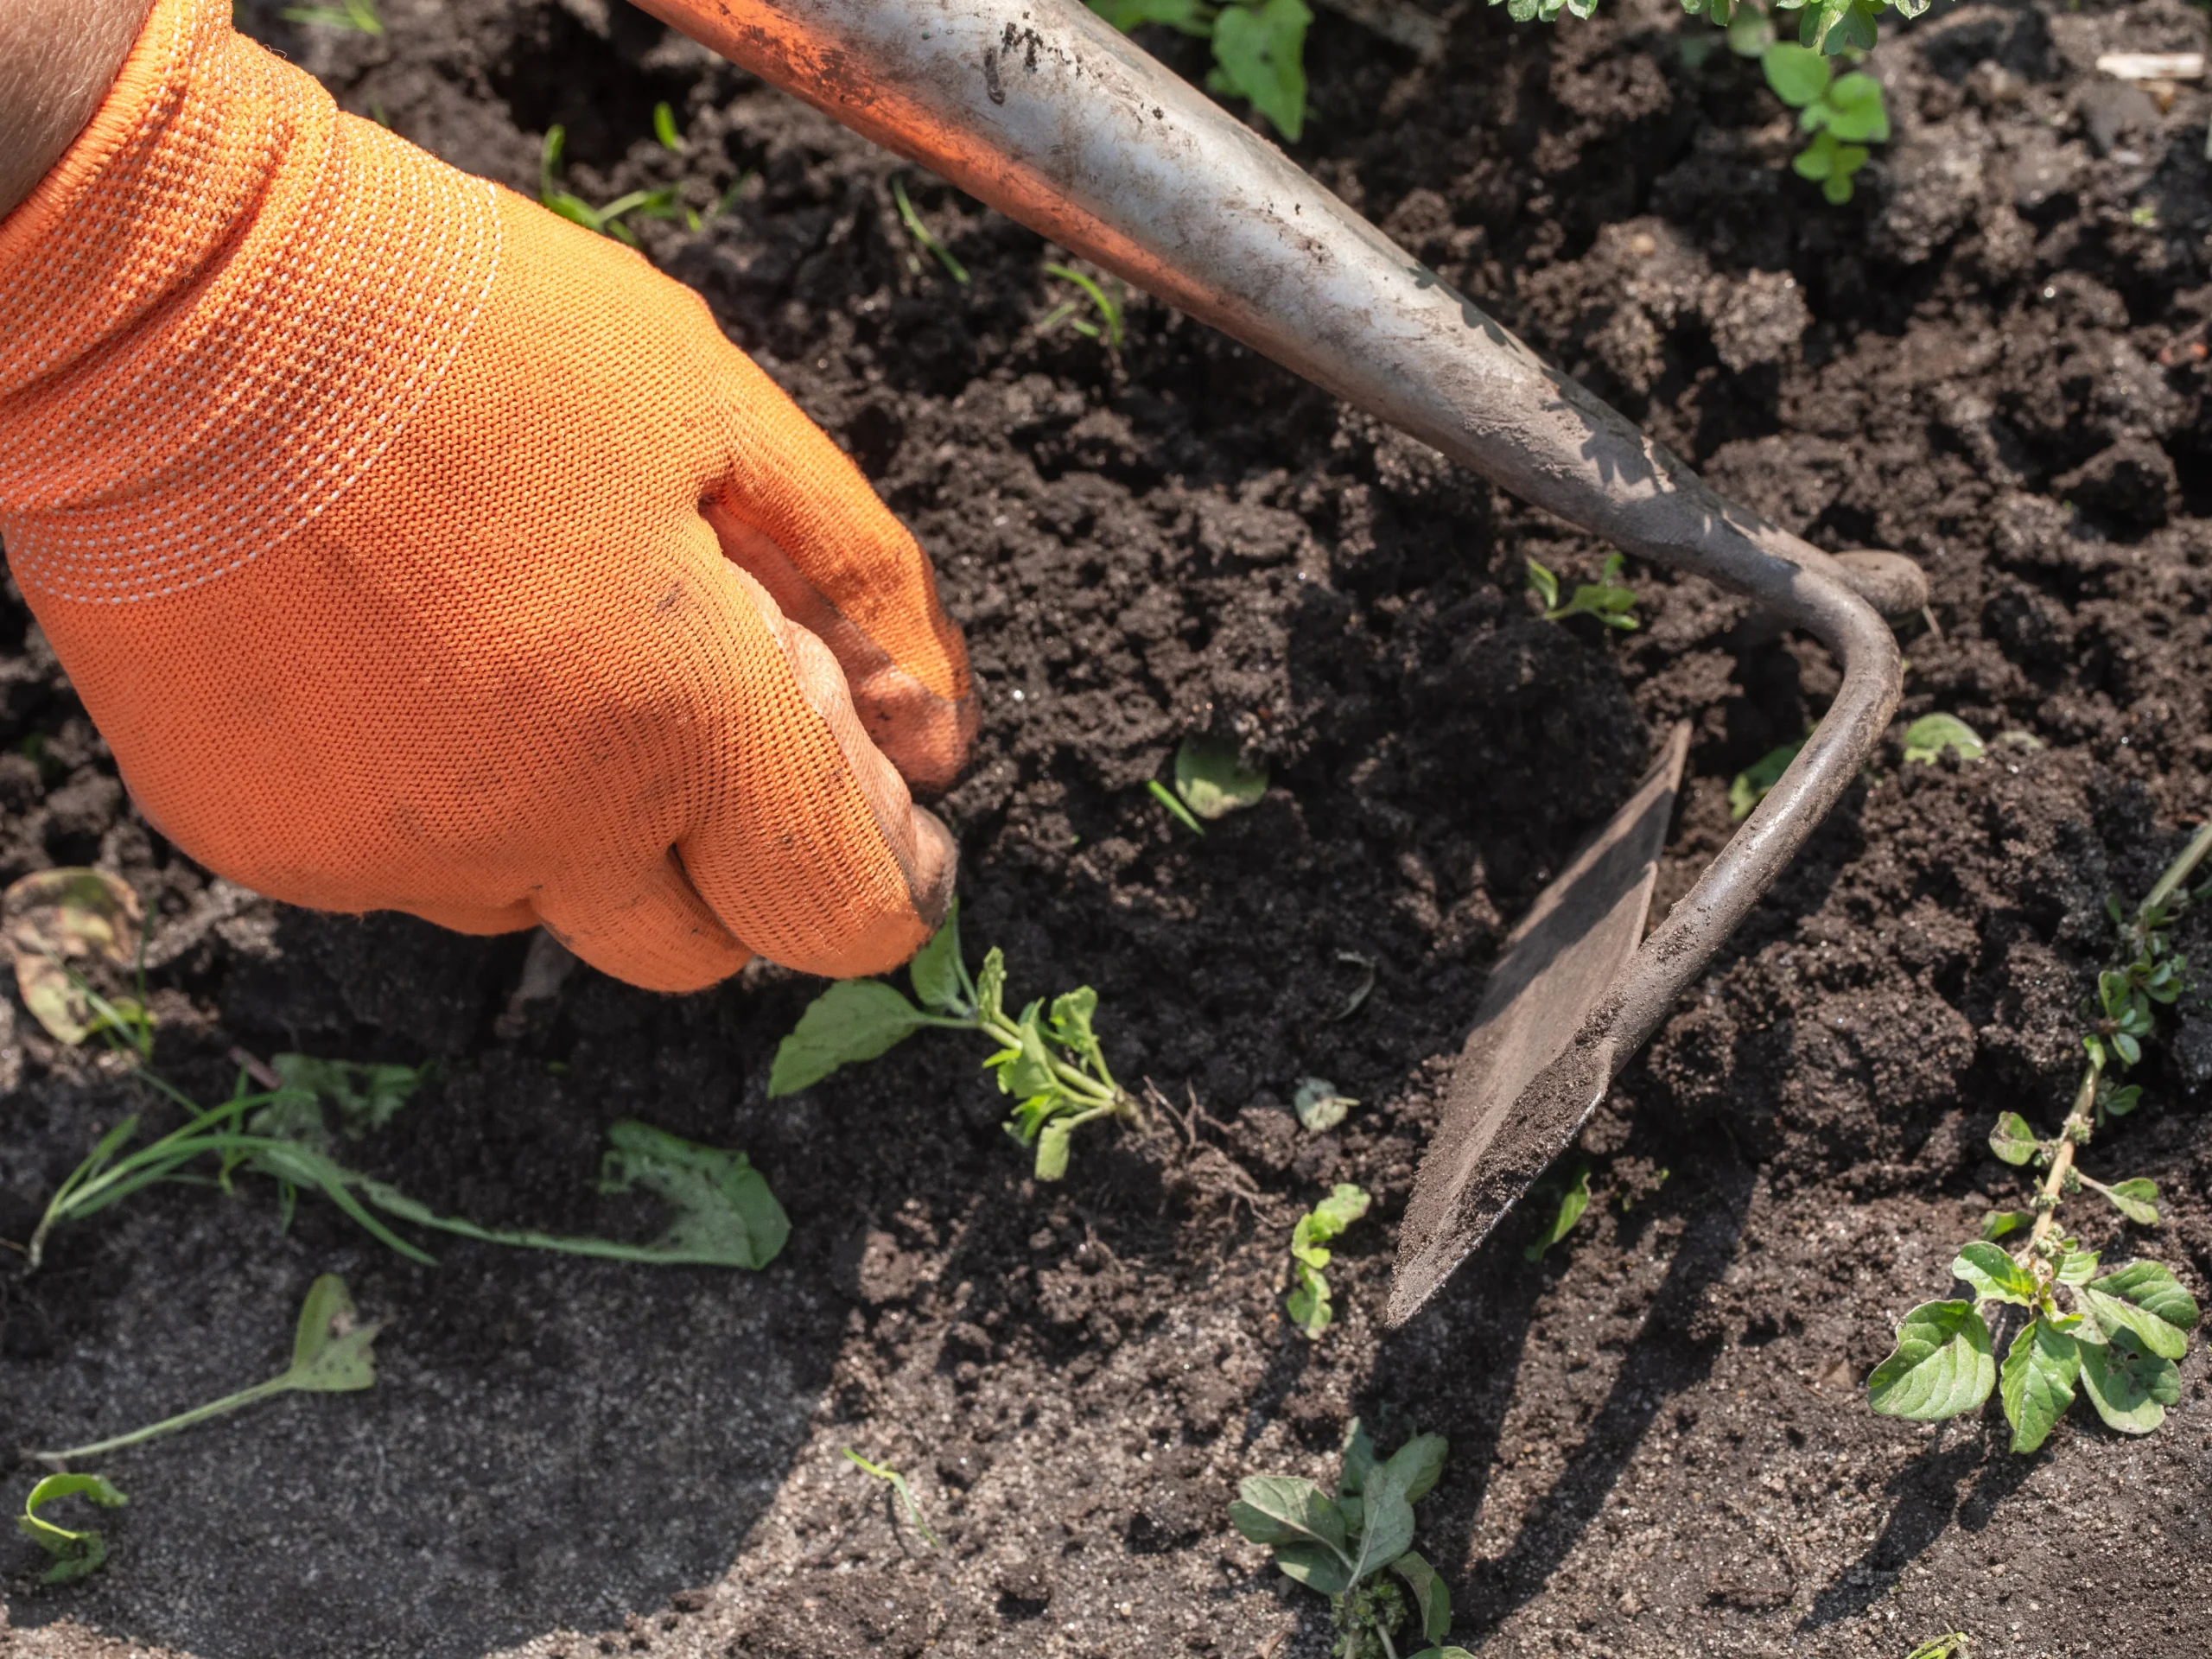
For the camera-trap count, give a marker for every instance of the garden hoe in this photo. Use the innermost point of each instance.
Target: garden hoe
(1044, 112)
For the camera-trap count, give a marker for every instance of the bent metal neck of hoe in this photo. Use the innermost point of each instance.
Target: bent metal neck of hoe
(1042, 109)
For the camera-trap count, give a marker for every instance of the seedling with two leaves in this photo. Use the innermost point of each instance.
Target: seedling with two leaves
(1606, 599)
(1843, 113)
(2117, 1334)
(1356, 1548)
(1048, 1059)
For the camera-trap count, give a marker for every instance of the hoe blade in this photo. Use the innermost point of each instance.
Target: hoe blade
(1540, 1056)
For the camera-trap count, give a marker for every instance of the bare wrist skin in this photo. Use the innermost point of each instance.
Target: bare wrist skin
(58, 58)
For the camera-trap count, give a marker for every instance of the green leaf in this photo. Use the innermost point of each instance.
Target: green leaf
(1340, 1211)
(1998, 1223)
(1289, 1515)
(1358, 1457)
(1213, 778)
(366, 1097)
(1386, 1530)
(1191, 17)
(855, 1020)
(2077, 1267)
(1026, 1069)
(1542, 582)
(2038, 1384)
(1798, 76)
(990, 986)
(1571, 1204)
(1319, 1106)
(1052, 1150)
(74, 1555)
(1260, 48)
(1927, 738)
(2137, 1199)
(1071, 1016)
(1308, 1306)
(725, 1214)
(664, 127)
(2130, 1386)
(1941, 1366)
(1858, 114)
(2146, 1300)
(1817, 160)
(935, 970)
(2013, 1140)
(1751, 786)
(1994, 1275)
(1432, 1601)
(1419, 1465)
(331, 1349)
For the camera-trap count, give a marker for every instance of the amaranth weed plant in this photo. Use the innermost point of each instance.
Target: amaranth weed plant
(2115, 1333)
(1356, 1548)
(1048, 1059)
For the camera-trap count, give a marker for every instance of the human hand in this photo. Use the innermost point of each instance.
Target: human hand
(415, 549)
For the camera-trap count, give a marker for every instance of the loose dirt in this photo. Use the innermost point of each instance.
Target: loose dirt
(1993, 359)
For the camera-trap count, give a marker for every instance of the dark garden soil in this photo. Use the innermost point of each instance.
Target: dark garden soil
(1994, 359)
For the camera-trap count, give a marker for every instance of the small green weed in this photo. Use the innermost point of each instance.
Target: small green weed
(897, 1482)
(1606, 599)
(1213, 778)
(1572, 1203)
(1049, 1062)
(1954, 1646)
(1751, 786)
(1351, 1547)
(1844, 114)
(359, 16)
(665, 131)
(922, 234)
(1109, 307)
(331, 1354)
(1259, 49)
(1829, 27)
(1308, 1304)
(1319, 1106)
(74, 1555)
(2116, 1333)
(1927, 738)
(663, 201)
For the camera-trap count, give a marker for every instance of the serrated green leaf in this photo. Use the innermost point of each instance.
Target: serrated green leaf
(2146, 1298)
(2137, 1199)
(1998, 1223)
(2013, 1140)
(1943, 1365)
(855, 1020)
(1260, 51)
(2038, 1384)
(935, 971)
(1419, 1465)
(1213, 778)
(2130, 1386)
(1994, 1275)
(1344, 1204)
(365, 1097)
(1432, 1601)
(1797, 75)
(1927, 738)
(722, 1212)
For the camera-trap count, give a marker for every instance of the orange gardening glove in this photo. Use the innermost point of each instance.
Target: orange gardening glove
(415, 549)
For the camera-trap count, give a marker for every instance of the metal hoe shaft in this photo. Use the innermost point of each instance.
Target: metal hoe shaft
(1042, 109)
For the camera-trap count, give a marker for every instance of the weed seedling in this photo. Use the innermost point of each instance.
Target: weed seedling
(74, 1555)
(897, 1482)
(1927, 738)
(1259, 49)
(1751, 786)
(1176, 809)
(359, 16)
(1954, 1646)
(1109, 326)
(1319, 1106)
(1571, 1204)
(659, 202)
(1051, 1062)
(330, 1355)
(1213, 778)
(1349, 1547)
(1308, 1304)
(922, 234)
(670, 135)
(1606, 599)
(2124, 1329)
(1843, 113)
